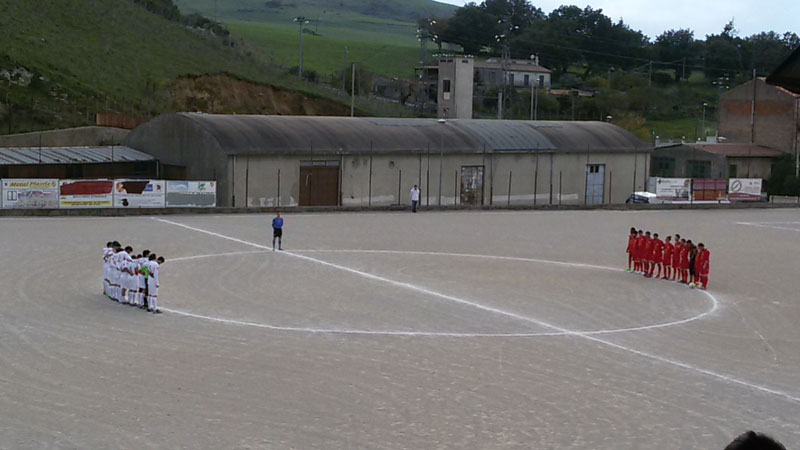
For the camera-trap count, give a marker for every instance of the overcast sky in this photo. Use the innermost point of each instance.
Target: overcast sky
(702, 16)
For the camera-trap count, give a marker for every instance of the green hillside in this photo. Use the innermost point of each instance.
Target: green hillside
(62, 61)
(378, 34)
(355, 12)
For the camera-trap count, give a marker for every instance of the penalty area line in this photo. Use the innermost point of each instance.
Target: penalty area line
(676, 363)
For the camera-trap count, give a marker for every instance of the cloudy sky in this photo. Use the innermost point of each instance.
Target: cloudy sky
(703, 16)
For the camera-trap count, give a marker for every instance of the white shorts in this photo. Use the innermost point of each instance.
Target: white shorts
(141, 282)
(131, 283)
(152, 289)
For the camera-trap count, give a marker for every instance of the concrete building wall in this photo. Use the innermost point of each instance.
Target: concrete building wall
(775, 118)
(681, 157)
(532, 175)
(752, 167)
(455, 87)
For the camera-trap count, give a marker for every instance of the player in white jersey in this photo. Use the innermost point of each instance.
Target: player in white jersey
(116, 274)
(141, 301)
(128, 278)
(107, 252)
(152, 267)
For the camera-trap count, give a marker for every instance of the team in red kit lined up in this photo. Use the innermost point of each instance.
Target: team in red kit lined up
(678, 260)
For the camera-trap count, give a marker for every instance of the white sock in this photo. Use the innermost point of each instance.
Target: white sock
(154, 302)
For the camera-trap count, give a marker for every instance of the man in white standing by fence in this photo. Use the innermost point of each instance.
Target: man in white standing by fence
(414, 198)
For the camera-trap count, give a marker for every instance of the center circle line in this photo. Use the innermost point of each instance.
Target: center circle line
(713, 301)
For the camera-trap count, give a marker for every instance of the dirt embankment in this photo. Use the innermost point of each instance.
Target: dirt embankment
(224, 94)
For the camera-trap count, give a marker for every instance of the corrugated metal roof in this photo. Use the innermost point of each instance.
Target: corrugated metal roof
(738, 150)
(249, 134)
(70, 155)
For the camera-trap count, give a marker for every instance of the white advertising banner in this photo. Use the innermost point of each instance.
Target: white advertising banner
(139, 193)
(29, 194)
(86, 193)
(671, 188)
(744, 189)
(191, 194)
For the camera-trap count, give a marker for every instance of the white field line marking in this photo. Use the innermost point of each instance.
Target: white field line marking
(211, 255)
(714, 303)
(710, 373)
(765, 225)
(467, 255)
(357, 332)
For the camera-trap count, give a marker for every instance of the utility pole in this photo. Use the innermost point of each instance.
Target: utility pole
(353, 92)
(302, 21)
(650, 76)
(344, 71)
(533, 89)
(684, 69)
(752, 113)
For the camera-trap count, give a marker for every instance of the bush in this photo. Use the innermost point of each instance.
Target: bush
(783, 181)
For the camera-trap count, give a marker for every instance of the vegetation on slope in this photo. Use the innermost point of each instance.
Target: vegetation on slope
(62, 62)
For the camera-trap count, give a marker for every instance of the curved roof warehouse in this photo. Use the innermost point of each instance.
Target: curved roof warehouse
(362, 161)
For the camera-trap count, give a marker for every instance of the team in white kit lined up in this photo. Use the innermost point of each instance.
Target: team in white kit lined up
(131, 279)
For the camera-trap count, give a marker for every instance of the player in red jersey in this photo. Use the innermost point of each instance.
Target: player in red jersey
(676, 258)
(637, 252)
(702, 265)
(666, 260)
(629, 250)
(647, 249)
(656, 252)
(685, 261)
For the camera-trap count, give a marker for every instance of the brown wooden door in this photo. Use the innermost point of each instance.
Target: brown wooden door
(319, 186)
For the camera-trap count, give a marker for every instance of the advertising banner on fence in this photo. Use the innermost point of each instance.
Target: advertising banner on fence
(86, 194)
(744, 189)
(671, 188)
(139, 193)
(191, 194)
(29, 194)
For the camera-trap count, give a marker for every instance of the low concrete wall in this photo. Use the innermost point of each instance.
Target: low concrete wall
(121, 212)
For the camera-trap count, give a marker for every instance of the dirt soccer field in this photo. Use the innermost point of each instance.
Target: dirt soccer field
(473, 330)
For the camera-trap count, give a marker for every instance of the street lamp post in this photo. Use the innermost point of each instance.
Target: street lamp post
(442, 122)
(502, 40)
(302, 21)
(704, 121)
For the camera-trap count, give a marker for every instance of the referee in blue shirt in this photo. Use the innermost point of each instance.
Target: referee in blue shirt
(277, 231)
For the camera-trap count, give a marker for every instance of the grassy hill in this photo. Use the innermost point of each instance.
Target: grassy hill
(378, 34)
(363, 12)
(62, 61)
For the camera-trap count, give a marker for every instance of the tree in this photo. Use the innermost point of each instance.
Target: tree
(434, 30)
(766, 50)
(571, 35)
(472, 28)
(724, 52)
(518, 13)
(674, 45)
